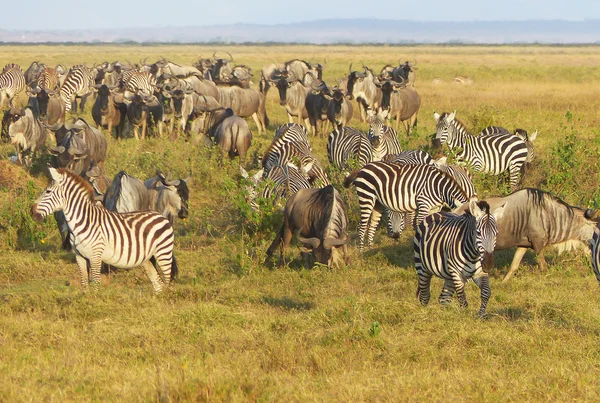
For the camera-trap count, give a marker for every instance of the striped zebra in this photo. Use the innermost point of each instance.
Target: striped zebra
(400, 188)
(12, 82)
(384, 139)
(348, 148)
(493, 154)
(99, 236)
(137, 82)
(78, 84)
(595, 248)
(291, 145)
(410, 157)
(454, 248)
(528, 139)
(48, 79)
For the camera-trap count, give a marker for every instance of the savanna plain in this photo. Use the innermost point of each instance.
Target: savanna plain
(232, 329)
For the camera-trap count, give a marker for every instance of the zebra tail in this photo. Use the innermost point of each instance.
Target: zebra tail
(350, 178)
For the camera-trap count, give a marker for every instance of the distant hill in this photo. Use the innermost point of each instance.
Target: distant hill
(335, 31)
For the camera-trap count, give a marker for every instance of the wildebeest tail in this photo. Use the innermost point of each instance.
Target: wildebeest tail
(350, 178)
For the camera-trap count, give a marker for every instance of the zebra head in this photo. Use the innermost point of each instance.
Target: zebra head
(444, 128)
(487, 229)
(377, 123)
(53, 198)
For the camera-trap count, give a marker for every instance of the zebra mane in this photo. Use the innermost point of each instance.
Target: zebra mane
(85, 185)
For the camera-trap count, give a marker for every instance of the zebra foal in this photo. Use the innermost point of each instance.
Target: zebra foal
(453, 247)
(143, 238)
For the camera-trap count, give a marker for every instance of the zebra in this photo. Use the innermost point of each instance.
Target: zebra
(455, 248)
(48, 79)
(78, 84)
(347, 145)
(384, 139)
(410, 157)
(493, 154)
(595, 249)
(400, 188)
(137, 82)
(291, 145)
(99, 236)
(528, 139)
(12, 82)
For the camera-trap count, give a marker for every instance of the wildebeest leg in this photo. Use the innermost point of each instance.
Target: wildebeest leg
(82, 103)
(286, 239)
(274, 244)
(258, 123)
(144, 128)
(291, 118)
(308, 126)
(519, 253)
(541, 260)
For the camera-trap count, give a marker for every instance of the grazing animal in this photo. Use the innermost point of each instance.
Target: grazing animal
(317, 104)
(340, 110)
(100, 236)
(109, 113)
(534, 219)
(362, 87)
(138, 82)
(50, 105)
(292, 95)
(27, 134)
(78, 84)
(401, 188)
(126, 194)
(528, 139)
(346, 144)
(320, 219)
(402, 101)
(269, 74)
(410, 157)
(493, 154)
(49, 78)
(453, 248)
(246, 102)
(232, 134)
(12, 82)
(384, 139)
(595, 249)
(169, 198)
(33, 72)
(99, 181)
(184, 103)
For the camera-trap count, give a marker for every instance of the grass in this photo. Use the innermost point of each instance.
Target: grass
(231, 329)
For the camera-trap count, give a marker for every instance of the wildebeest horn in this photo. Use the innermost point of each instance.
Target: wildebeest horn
(314, 242)
(15, 111)
(350, 68)
(74, 151)
(328, 243)
(57, 150)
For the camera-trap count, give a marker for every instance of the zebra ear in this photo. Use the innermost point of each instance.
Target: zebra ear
(533, 135)
(474, 208)
(55, 175)
(441, 161)
(436, 116)
(499, 212)
(451, 117)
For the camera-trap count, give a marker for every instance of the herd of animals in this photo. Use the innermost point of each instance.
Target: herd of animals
(127, 223)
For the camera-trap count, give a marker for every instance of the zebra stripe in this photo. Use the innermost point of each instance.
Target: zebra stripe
(99, 236)
(12, 82)
(348, 145)
(284, 181)
(78, 83)
(493, 154)
(48, 79)
(410, 157)
(522, 134)
(291, 145)
(402, 188)
(452, 247)
(595, 247)
(135, 82)
(384, 139)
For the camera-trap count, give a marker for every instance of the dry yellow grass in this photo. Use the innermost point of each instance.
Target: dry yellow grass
(232, 330)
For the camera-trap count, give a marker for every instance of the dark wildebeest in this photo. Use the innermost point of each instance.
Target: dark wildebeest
(168, 197)
(33, 72)
(319, 216)
(231, 134)
(402, 102)
(362, 87)
(143, 111)
(126, 194)
(200, 85)
(246, 102)
(107, 112)
(535, 219)
(26, 133)
(50, 105)
(184, 102)
(99, 181)
(317, 104)
(340, 110)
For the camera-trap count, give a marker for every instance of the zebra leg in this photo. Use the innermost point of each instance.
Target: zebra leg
(366, 209)
(482, 280)
(83, 271)
(515, 178)
(373, 224)
(459, 286)
(153, 276)
(447, 293)
(423, 290)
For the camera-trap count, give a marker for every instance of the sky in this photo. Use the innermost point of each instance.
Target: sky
(86, 14)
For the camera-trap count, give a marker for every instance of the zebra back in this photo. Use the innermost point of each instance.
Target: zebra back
(284, 181)
(410, 157)
(138, 82)
(460, 174)
(12, 82)
(48, 79)
(346, 143)
(78, 82)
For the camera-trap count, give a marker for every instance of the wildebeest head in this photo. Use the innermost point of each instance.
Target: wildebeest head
(283, 83)
(71, 150)
(353, 78)
(180, 194)
(178, 96)
(104, 93)
(6, 120)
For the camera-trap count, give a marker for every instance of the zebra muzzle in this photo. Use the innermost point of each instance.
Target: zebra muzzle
(35, 214)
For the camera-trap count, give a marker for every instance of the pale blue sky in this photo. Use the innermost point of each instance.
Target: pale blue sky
(80, 14)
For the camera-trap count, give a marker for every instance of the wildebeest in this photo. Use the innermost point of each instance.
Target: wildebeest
(27, 134)
(107, 112)
(168, 197)
(126, 194)
(298, 68)
(402, 101)
(140, 114)
(184, 102)
(535, 219)
(231, 134)
(245, 102)
(99, 181)
(50, 105)
(269, 74)
(319, 217)
(362, 87)
(33, 72)
(339, 110)
(292, 95)
(79, 147)
(317, 104)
